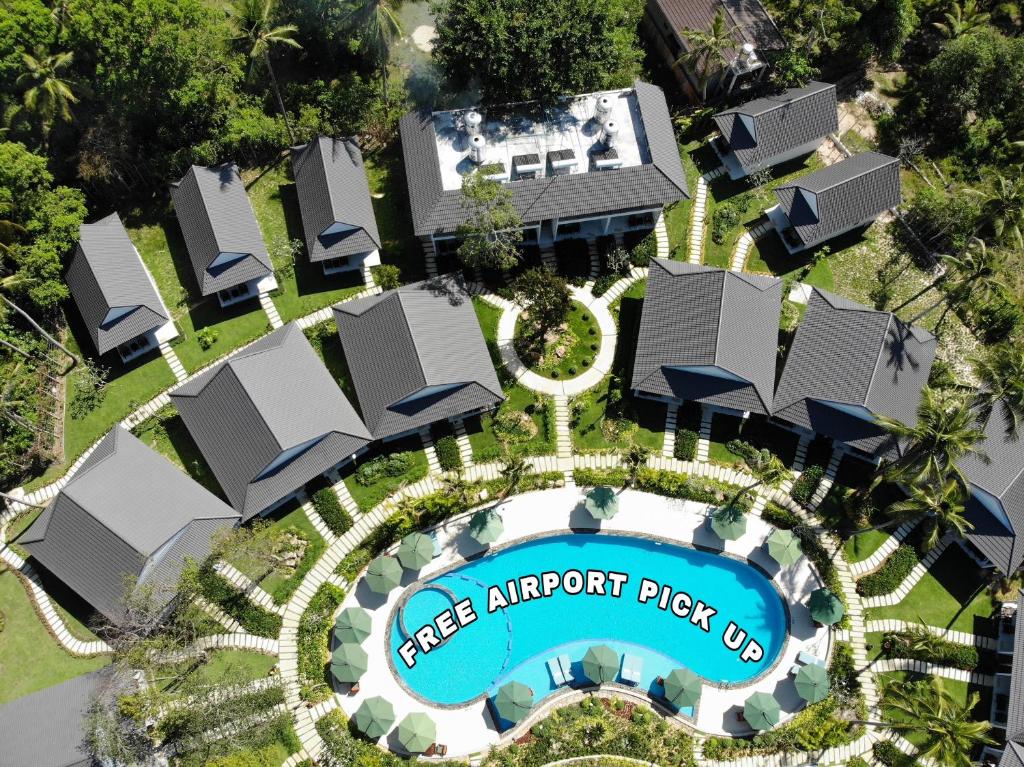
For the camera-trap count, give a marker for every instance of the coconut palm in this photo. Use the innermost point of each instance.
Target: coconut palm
(941, 503)
(253, 21)
(962, 19)
(48, 94)
(1002, 206)
(514, 469)
(1001, 372)
(707, 48)
(944, 725)
(633, 460)
(377, 25)
(975, 269)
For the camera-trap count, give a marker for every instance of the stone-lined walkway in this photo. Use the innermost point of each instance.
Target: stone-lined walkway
(960, 637)
(879, 555)
(915, 575)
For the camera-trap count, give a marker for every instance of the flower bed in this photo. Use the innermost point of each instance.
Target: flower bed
(920, 644)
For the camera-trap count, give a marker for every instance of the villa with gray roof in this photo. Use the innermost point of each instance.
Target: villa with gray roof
(337, 212)
(835, 200)
(270, 419)
(224, 242)
(775, 129)
(417, 356)
(126, 517)
(708, 335)
(115, 293)
(589, 165)
(849, 364)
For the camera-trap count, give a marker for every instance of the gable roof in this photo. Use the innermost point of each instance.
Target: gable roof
(696, 316)
(216, 217)
(126, 512)
(107, 273)
(847, 193)
(330, 180)
(652, 184)
(781, 123)
(273, 397)
(849, 354)
(408, 340)
(753, 23)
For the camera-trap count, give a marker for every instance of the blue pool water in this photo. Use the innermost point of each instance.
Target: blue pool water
(515, 642)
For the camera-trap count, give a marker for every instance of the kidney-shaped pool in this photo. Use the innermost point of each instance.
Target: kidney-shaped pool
(676, 606)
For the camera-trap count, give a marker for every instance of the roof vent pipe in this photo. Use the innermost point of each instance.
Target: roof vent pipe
(473, 121)
(477, 149)
(609, 132)
(603, 109)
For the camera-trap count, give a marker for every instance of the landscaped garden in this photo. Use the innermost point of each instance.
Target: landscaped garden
(385, 469)
(565, 351)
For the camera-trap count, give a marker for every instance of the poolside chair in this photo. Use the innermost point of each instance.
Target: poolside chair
(794, 669)
(809, 660)
(566, 665)
(555, 669)
(632, 668)
(437, 543)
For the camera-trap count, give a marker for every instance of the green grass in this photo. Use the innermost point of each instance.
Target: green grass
(862, 546)
(242, 665)
(368, 496)
(385, 172)
(581, 337)
(677, 215)
(769, 256)
(960, 692)
(169, 436)
(30, 659)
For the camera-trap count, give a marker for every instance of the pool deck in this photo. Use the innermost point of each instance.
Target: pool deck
(470, 729)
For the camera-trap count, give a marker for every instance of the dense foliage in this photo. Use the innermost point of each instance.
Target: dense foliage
(921, 644)
(448, 453)
(686, 444)
(254, 619)
(890, 575)
(376, 469)
(313, 642)
(805, 485)
(327, 505)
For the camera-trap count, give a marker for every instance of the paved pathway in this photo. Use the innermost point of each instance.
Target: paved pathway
(465, 446)
(960, 637)
(698, 214)
(746, 242)
(916, 574)
(661, 237)
(268, 306)
(245, 585)
(172, 359)
(433, 464)
(828, 478)
(879, 555)
(668, 445)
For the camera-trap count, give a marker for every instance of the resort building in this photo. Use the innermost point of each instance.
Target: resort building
(708, 335)
(1007, 710)
(337, 212)
(221, 233)
(270, 419)
(588, 166)
(775, 129)
(126, 516)
(849, 364)
(835, 200)
(115, 293)
(416, 356)
(755, 36)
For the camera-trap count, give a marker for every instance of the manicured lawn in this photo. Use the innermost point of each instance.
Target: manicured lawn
(166, 433)
(578, 343)
(677, 215)
(385, 171)
(323, 337)
(724, 428)
(864, 545)
(240, 665)
(368, 496)
(29, 658)
(769, 256)
(484, 439)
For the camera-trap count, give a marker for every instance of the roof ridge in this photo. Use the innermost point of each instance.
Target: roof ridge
(412, 337)
(878, 359)
(834, 184)
(718, 327)
(745, 277)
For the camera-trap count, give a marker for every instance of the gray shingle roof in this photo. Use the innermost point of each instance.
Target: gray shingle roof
(106, 273)
(854, 190)
(846, 353)
(753, 22)
(696, 316)
(332, 188)
(273, 397)
(1002, 476)
(781, 123)
(47, 728)
(655, 183)
(126, 512)
(404, 341)
(215, 216)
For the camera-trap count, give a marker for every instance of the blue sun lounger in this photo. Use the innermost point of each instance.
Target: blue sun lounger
(632, 669)
(566, 666)
(555, 669)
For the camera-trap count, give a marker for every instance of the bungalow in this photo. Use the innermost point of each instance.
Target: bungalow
(756, 38)
(591, 165)
(774, 129)
(708, 335)
(115, 293)
(126, 517)
(416, 356)
(849, 364)
(996, 503)
(337, 212)
(1011, 701)
(221, 234)
(835, 200)
(270, 419)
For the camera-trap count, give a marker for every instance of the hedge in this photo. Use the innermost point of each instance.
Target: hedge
(327, 505)
(805, 485)
(890, 575)
(686, 444)
(253, 618)
(902, 644)
(886, 752)
(448, 456)
(604, 283)
(313, 642)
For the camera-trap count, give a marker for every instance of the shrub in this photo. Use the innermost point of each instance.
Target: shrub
(726, 217)
(386, 276)
(254, 619)
(919, 644)
(447, 450)
(603, 283)
(617, 262)
(313, 642)
(856, 761)
(644, 251)
(207, 337)
(806, 484)
(393, 465)
(779, 517)
(890, 575)
(686, 444)
(327, 505)
(885, 751)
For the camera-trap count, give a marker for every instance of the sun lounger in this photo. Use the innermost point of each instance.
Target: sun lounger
(794, 668)
(555, 669)
(566, 666)
(809, 660)
(437, 543)
(632, 668)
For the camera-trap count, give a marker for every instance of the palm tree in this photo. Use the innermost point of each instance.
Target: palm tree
(1001, 372)
(634, 459)
(766, 467)
(975, 270)
(253, 22)
(945, 726)
(707, 49)
(377, 25)
(48, 93)
(962, 19)
(514, 469)
(941, 503)
(1002, 206)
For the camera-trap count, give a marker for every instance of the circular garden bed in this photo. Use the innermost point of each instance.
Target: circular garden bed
(564, 352)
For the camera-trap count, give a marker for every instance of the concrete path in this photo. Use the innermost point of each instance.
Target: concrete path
(247, 586)
(745, 244)
(668, 445)
(172, 360)
(268, 306)
(879, 555)
(901, 591)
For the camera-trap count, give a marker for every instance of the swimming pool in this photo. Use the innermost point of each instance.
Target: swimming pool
(514, 642)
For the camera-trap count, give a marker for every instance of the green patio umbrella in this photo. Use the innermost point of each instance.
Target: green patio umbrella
(602, 503)
(812, 682)
(682, 687)
(486, 526)
(417, 732)
(601, 664)
(513, 701)
(729, 522)
(761, 711)
(784, 547)
(374, 717)
(349, 662)
(352, 625)
(383, 574)
(826, 608)
(415, 551)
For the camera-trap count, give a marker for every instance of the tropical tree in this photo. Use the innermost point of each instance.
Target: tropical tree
(48, 94)
(942, 505)
(633, 460)
(767, 468)
(974, 270)
(514, 469)
(962, 19)
(545, 295)
(945, 726)
(253, 21)
(706, 54)
(492, 231)
(1002, 206)
(376, 23)
(1001, 372)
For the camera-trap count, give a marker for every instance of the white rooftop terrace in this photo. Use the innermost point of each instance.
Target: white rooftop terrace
(528, 128)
